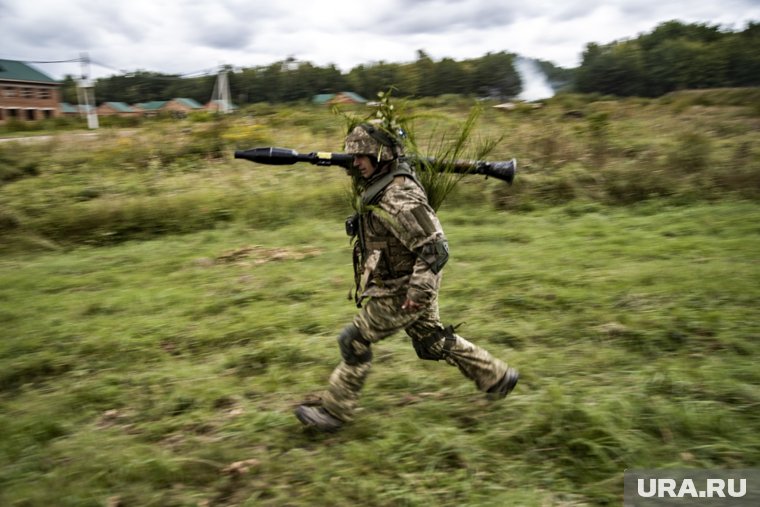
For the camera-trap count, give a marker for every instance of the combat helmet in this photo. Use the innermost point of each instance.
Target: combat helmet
(368, 139)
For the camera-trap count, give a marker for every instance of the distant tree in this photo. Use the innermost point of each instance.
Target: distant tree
(408, 83)
(292, 80)
(140, 86)
(741, 53)
(673, 56)
(272, 83)
(451, 77)
(559, 78)
(611, 69)
(494, 75)
(69, 89)
(370, 79)
(197, 88)
(424, 67)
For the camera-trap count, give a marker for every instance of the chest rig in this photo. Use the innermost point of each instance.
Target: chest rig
(372, 235)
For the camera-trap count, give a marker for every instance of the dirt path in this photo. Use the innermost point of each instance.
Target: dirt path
(62, 136)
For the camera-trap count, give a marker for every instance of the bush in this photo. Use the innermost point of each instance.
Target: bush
(201, 116)
(120, 121)
(112, 220)
(69, 122)
(691, 153)
(248, 136)
(17, 161)
(552, 189)
(8, 221)
(741, 173)
(599, 131)
(15, 125)
(631, 184)
(684, 99)
(209, 139)
(550, 148)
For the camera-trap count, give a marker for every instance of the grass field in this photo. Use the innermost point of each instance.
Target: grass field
(162, 309)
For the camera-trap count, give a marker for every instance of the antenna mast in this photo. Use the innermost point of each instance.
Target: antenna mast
(86, 93)
(220, 97)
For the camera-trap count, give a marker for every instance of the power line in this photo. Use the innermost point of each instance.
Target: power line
(197, 73)
(204, 72)
(94, 62)
(52, 61)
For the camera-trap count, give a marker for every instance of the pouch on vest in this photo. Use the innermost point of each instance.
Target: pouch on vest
(436, 255)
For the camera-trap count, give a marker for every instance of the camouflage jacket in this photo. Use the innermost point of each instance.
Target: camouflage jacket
(401, 246)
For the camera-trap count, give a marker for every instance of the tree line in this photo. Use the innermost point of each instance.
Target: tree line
(673, 56)
(292, 80)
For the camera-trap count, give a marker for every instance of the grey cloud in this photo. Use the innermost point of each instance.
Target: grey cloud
(441, 16)
(37, 34)
(62, 29)
(248, 14)
(225, 38)
(114, 19)
(570, 11)
(229, 24)
(640, 9)
(700, 8)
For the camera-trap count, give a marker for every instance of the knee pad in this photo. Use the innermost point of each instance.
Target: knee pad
(427, 348)
(348, 338)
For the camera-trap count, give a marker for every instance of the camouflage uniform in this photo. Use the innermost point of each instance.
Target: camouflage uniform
(399, 253)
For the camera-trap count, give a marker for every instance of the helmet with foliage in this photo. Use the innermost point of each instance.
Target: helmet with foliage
(368, 139)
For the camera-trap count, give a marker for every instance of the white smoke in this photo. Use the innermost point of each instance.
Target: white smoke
(534, 82)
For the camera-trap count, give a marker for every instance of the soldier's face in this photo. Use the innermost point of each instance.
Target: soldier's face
(365, 165)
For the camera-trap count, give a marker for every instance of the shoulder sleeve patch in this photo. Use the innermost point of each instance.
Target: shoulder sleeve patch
(423, 218)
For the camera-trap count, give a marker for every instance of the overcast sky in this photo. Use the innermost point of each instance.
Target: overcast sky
(190, 36)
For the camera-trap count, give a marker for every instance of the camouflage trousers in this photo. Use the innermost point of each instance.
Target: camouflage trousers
(380, 318)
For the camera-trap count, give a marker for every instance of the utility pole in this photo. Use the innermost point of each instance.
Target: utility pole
(86, 93)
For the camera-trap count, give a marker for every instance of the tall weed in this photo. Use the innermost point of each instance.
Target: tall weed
(691, 153)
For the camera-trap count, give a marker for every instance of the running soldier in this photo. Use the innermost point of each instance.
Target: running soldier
(399, 253)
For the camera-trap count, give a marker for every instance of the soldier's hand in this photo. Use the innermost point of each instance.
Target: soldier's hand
(411, 306)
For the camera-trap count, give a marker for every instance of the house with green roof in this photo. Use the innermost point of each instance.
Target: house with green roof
(338, 98)
(26, 94)
(322, 98)
(182, 107)
(177, 107)
(116, 109)
(151, 108)
(66, 109)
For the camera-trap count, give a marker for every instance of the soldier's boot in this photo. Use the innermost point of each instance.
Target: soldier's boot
(317, 418)
(504, 386)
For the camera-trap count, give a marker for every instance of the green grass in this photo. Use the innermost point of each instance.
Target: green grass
(143, 371)
(163, 308)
